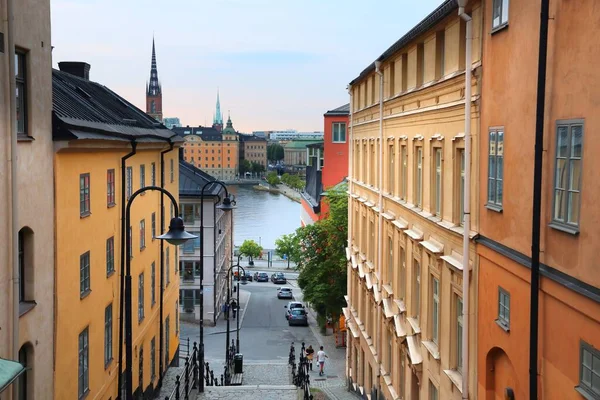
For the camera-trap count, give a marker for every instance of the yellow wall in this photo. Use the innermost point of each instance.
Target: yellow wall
(76, 235)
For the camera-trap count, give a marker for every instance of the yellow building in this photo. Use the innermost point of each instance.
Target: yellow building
(406, 186)
(27, 199)
(95, 132)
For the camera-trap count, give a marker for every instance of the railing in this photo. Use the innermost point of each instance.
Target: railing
(300, 376)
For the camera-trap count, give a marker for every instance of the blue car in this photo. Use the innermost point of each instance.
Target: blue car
(298, 317)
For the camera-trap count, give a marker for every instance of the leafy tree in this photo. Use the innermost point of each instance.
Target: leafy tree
(257, 168)
(245, 166)
(251, 249)
(275, 152)
(320, 256)
(272, 178)
(286, 246)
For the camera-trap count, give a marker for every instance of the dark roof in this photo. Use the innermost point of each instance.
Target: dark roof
(342, 110)
(206, 133)
(318, 145)
(251, 138)
(83, 109)
(192, 180)
(445, 9)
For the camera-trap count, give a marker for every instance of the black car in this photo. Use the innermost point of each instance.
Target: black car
(248, 276)
(278, 278)
(262, 277)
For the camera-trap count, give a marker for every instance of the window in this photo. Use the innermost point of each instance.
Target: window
(417, 291)
(25, 381)
(437, 181)
(168, 269)
(21, 81)
(25, 259)
(153, 225)
(142, 176)
(391, 169)
(440, 56)
(84, 194)
(433, 391)
(107, 335)
(176, 317)
(167, 338)
(419, 177)
(372, 250)
(392, 80)
(567, 180)
(141, 369)
(153, 283)
(83, 370)
(110, 187)
(390, 350)
(461, 185)
(141, 297)
(402, 274)
(403, 172)
(495, 169)
(153, 359)
(499, 13)
(153, 174)
(129, 182)
(420, 64)
(110, 255)
(459, 333)
(172, 171)
(188, 213)
(21, 266)
(503, 308)
(402, 375)
(142, 234)
(435, 310)
(130, 247)
(339, 132)
(84, 274)
(390, 271)
(372, 180)
(589, 371)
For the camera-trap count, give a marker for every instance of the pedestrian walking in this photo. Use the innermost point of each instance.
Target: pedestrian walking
(310, 352)
(234, 308)
(321, 356)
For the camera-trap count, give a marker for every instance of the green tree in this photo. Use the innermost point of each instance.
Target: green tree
(257, 168)
(251, 249)
(272, 178)
(286, 246)
(275, 152)
(285, 178)
(321, 259)
(245, 166)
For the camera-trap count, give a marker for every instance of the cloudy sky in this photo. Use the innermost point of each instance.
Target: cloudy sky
(277, 63)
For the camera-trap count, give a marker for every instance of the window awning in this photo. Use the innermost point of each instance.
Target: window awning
(376, 293)
(354, 263)
(347, 254)
(388, 308)
(413, 351)
(354, 330)
(433, 246)
(414, 234)
(361, 271)
(388, 216)
(9, 371)
(369, 204)
(346, 313)
(369, 280)
(453, 261)
(400, 332)
(400, 224)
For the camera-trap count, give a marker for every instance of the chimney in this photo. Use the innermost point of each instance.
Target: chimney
(77, 68)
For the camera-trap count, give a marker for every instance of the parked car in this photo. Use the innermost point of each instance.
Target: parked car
(290, 306)
(298, 317)
(284, 293)
(278, 278)
(262, 277)
(248, 276)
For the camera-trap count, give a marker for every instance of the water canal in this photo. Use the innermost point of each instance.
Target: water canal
(263, 216)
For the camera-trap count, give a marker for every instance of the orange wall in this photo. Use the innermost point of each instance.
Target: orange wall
(336, 154)
(309, 211)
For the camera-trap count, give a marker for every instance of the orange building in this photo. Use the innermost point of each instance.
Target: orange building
(333, 152)
(569, 297)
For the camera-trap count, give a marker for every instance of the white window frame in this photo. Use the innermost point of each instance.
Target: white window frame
(495, 169)
(141, 297)
(587, 354)
(142, 176)
(417, 287)
(503, 309)
(391, 168)
(564, 222)
(337, 126)
(404, 172)
(459, 332)
(499, 13)
(83, 378)
(108, 317)
(418, 195)
(435, 309)
(437, 165)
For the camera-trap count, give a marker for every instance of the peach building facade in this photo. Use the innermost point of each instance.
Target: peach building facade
(569, 296)
(406, 186)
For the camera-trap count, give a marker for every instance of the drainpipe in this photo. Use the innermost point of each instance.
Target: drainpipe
(124, 235)
(350, 219)
(380, 234)
(13, 186)
(537, 201)
(467, 196)
(162, 264)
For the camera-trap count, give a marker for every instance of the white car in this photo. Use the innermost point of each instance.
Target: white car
(284, 293)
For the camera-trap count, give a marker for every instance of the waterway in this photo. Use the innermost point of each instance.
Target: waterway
(262, 216)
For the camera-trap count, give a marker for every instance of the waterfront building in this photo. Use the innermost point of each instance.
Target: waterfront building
(327, 164)
(254, 149)
(292, 134)
(95, 133)
(568, 341)
(172, 122)
(154, 90)
(218, 234)
(294, 154)
(405, 273)
(27, 198)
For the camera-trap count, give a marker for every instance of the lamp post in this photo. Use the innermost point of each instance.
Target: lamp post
(227, 205)
(176, 236)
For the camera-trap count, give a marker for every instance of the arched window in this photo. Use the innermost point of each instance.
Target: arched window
(26, 265)
(26, 379)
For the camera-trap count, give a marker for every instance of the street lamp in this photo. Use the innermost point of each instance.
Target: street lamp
(176, 236)
(226, 205)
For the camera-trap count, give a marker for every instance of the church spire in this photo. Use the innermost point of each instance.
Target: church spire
(218, 119)
(154, 88)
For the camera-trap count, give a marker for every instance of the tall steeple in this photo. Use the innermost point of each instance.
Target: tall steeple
(154, 90)
(218, 118)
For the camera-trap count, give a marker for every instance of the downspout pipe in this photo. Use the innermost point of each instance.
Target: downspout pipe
(467, 195)
(13, 185)
(124, 235)
(162, 265)
(537, 201)
(380, 223)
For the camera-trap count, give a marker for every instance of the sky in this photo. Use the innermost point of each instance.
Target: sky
(278, 64)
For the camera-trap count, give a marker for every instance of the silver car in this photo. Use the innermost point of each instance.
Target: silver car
(284, 293)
